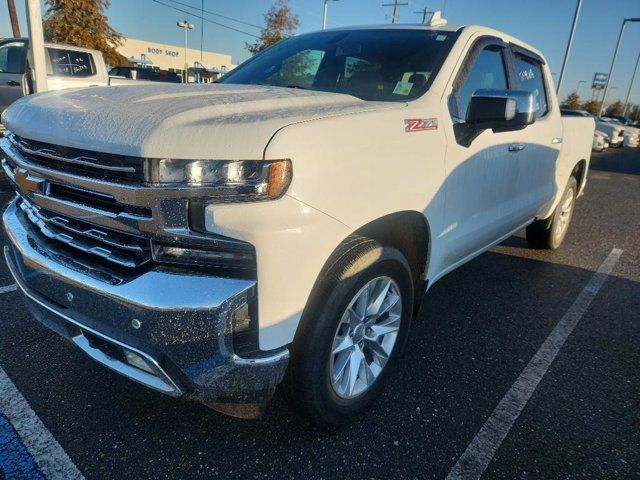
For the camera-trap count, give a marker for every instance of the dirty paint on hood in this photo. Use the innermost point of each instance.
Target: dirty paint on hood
(174, 121)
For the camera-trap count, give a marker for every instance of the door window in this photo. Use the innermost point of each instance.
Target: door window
(488, 71)
(531, 79)
(13, 56)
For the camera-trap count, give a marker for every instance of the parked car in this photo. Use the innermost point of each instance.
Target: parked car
(600, 139)
(205, 239)
(67, 67)
(138, 75)
(631, 134)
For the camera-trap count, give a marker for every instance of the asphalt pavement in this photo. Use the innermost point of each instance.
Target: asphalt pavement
(477, 330)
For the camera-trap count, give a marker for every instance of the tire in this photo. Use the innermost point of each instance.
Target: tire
(550, 233)
(314, 382)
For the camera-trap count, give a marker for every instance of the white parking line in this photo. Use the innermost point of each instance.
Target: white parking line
(52, 460)
(481, 450)
(8, 288)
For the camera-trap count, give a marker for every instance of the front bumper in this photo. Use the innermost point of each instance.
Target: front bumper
(168, 329)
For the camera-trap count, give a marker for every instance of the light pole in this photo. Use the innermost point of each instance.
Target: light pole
(578, 88)
(633, 77)
(613, 60)
(186, 26)
(324, 13)
(37, 60)
(569, 43)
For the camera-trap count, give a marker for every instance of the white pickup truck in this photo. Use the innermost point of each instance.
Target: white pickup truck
(67, 67)
(211, 241)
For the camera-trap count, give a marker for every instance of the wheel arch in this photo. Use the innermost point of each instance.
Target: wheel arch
(580, 173)
(407, 231)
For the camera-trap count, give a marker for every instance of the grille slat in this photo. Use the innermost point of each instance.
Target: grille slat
(120, 249)
(80, 162)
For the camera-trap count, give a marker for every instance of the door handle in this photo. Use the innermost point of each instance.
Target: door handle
(13, 83)
(516, 147)
(556, 140)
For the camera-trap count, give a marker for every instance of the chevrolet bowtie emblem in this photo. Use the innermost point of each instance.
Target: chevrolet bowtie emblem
(27, 183)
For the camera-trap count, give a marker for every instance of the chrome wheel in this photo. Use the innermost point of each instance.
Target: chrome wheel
(564, 215)
(365, 337)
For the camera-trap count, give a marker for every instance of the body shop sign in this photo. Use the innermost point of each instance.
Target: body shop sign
(162, 51)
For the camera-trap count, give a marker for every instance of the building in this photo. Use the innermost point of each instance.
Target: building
(171, 57)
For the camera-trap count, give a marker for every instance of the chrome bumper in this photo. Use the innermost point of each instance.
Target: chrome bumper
(168, 329)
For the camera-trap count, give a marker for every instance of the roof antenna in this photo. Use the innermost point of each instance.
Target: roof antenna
(437, 20)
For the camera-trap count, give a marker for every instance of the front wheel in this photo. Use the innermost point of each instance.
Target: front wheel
(351, 337)
(550, 233)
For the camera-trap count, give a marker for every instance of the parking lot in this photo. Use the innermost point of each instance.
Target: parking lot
(478, 329)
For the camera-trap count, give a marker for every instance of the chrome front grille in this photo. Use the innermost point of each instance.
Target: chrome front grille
(80, 162)
(121, 249)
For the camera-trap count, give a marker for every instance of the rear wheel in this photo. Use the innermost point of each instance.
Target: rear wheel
(351, 337)
(550, 233)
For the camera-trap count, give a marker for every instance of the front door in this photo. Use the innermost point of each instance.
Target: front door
(482, 171)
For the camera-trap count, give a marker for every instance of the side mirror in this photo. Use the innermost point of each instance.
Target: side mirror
(500, 110)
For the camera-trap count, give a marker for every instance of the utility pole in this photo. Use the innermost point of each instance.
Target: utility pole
(633, 77)
(201, 29)
(15, 27)
(395, 6)
(613, 60)
(569, 43)
(186, 26)
(36, 46)
(423, 12)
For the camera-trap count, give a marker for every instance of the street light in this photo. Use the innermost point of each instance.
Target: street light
(324, 13)
(569, 43)
(633, 77)
(613, 61)
(186, 26)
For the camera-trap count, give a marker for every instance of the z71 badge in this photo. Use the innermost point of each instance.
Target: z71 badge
(420, 124)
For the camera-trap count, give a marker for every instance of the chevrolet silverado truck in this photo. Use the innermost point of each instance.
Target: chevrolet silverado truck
(283, 225)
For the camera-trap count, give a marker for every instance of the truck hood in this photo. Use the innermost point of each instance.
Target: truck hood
(174, 121)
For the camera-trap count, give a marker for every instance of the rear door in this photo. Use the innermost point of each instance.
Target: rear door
(13, 59)
(541, 141)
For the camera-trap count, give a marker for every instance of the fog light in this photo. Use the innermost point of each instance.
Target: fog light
(137, 361)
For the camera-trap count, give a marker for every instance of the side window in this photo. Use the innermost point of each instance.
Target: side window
(70, 63)
(531, 79)
(13, 57)
(488, 71)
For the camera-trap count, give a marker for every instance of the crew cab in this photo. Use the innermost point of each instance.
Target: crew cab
(67, 67)
(211, 241)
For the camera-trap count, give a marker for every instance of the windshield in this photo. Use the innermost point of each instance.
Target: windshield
(372, 64)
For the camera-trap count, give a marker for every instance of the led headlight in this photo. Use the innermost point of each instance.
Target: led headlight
(238, 179)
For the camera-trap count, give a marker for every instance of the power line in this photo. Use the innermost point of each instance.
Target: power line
(215, 14)
(202, 17)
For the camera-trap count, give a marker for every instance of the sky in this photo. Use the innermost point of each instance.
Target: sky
(545, 24)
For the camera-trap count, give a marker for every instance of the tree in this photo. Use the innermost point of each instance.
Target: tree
(280, 23)
(572, 102)
(593, 107)
(634, 113)
(83, 23)
(615, 108)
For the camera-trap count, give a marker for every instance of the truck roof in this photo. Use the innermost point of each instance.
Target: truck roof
(470, 29)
